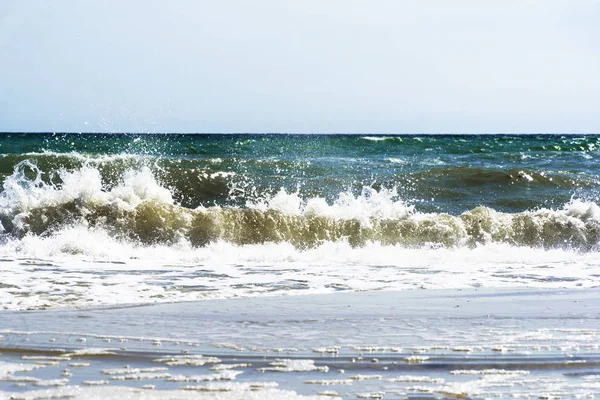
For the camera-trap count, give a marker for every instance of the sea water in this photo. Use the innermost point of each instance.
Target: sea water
(98, 219)
(90, 221)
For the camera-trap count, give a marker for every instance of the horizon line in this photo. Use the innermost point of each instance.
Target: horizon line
(290, 133)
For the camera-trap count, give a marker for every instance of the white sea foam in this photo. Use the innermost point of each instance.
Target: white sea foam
(22, 195)
(51, 382)
(247, 390)
(395, 160)
(287, 365)
(193, 360)
(413, 378)
(105, 271)
(382, 138)
(227, 375)
(7, 368)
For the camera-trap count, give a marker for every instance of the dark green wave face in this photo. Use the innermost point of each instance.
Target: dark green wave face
(502, 180)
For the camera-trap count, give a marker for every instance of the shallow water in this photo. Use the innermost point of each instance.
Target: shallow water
(410, 344)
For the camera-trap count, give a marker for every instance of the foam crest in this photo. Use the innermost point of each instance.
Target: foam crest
(140, 186)
(369, 204)
(78, 194)
(22, 193)
(582, 210)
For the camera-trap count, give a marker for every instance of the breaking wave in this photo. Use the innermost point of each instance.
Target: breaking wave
(138, 208)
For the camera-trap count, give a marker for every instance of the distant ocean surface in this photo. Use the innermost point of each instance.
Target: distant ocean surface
(99, 219)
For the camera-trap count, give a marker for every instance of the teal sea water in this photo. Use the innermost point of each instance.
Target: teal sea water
(306, 189)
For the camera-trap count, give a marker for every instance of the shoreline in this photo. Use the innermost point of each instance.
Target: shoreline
(358, 306)
(466, 342)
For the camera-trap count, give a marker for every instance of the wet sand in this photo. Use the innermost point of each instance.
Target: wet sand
(476, 343)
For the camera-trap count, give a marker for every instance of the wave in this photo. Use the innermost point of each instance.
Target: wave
(142, 210)
(462, 176)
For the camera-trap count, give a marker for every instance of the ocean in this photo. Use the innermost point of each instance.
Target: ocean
(99, 226)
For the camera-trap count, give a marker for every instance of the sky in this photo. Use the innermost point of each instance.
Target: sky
(353, 66)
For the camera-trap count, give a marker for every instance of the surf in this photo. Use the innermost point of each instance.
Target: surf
(138, 208)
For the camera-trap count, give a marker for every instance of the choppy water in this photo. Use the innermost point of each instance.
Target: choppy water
(93, 219)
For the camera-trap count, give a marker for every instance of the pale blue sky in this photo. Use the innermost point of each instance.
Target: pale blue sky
(300, 66)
